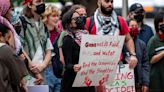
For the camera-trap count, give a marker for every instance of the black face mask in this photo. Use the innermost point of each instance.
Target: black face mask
(40, 8)
(80, 22)
(139, 17)
(161, 28)
(106, 11)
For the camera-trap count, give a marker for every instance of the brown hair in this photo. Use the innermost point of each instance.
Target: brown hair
(27, 11)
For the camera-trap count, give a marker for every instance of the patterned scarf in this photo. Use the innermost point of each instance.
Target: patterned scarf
(15, 41)
(4, 6)
(78, 35)
(106, 25)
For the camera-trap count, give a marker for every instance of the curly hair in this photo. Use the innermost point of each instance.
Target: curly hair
(50, 10)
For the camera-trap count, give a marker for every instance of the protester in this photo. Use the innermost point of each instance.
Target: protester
(12, 69)
(51, 19)
(35, 40)
(62, 34)
(137, 12)
(13, 17)
(74, 22)
(156, 55)
(14, 40)
(141, 71)
(106, 22)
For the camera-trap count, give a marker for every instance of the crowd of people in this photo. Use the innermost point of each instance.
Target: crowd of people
(41, 45)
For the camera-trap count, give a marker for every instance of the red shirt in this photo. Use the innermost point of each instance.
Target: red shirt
(53, 35)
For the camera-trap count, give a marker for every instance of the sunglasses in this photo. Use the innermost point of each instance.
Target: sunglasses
(108, 1)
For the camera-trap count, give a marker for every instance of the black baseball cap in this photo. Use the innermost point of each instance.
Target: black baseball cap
(136, 7)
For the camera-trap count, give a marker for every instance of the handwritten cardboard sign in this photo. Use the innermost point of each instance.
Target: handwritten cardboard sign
(99, 56)
(124, 80)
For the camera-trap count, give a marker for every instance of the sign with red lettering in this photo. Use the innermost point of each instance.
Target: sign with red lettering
(99, 56)
(123, 82)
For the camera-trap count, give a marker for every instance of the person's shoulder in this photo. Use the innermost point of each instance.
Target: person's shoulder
(68, 40)
(67, 37)
(145, 26)
(142, 42)
(152, 40)
(24, 18)
(64, 33)
(120, 18)
(8, 49)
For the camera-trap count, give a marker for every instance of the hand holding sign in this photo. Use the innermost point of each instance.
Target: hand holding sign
(77, 67)
(99, 56)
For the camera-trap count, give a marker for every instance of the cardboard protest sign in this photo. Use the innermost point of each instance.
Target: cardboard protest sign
(124, 80)
(99, 56)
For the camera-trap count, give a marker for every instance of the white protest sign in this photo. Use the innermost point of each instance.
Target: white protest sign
(99, 56)
(38, 88)
(124, 80)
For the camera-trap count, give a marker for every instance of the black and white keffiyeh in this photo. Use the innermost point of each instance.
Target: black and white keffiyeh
(106, 25)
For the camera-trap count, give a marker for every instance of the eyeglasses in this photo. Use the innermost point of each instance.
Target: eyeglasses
(81, 14)
(75, 18)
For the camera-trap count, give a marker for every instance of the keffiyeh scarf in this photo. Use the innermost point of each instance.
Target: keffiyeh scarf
(106, 25)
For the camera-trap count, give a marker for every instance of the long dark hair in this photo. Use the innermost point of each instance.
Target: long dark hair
(67, 17)
(158, 18)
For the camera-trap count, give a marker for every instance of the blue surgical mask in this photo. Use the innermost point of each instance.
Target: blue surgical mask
(14, 17)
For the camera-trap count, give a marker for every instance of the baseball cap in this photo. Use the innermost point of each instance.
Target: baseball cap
(26, 1)
(136, 7)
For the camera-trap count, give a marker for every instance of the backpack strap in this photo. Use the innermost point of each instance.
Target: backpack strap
(90, 23)
(24, 22)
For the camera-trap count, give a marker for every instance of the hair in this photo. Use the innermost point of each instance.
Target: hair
(67, 17)
(158, 18)
(27, 11)
(128, 22)
(3, 29)
(50, 10)
(64, 10)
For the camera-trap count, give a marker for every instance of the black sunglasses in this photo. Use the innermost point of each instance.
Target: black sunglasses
(108, 1)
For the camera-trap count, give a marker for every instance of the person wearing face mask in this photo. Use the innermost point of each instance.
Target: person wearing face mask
(80, 22)
(142, 69)
(106, 22)
(36, 42)
(73, 22)
(5, 14)
(136, 11)
(156, 55)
